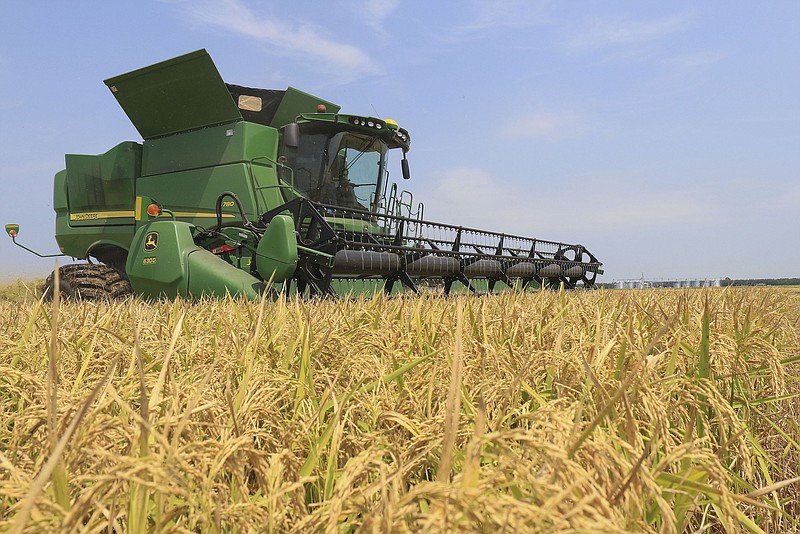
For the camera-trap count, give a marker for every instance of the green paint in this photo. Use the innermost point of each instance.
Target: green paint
(178, 267)
(180, 94)
(276, 256)
(295, 102)
(196, 146)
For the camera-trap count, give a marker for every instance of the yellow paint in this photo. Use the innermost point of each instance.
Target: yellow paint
(137, 214)
(197, 214)
(90, 216)
(151, 242)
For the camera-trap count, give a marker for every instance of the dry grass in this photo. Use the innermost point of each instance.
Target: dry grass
(21, 290)
(651, 410)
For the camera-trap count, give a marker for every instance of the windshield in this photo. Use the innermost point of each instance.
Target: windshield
(344, 169)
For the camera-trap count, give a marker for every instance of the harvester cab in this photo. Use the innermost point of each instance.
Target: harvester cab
(235, 190)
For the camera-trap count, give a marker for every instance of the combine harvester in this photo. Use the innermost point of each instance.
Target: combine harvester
(234, 189)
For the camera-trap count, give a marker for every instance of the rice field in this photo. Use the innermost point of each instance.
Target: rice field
(601, 411)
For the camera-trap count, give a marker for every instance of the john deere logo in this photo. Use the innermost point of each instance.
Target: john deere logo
(151, 242)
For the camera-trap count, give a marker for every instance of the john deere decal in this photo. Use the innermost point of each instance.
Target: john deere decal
(151, 242)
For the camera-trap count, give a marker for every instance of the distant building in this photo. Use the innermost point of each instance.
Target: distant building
(672, 283)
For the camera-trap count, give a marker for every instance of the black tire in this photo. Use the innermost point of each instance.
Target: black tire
(86, 281)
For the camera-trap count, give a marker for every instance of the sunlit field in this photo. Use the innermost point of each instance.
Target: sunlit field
(602, 411)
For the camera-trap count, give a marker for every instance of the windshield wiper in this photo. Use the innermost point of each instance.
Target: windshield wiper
(362, 151)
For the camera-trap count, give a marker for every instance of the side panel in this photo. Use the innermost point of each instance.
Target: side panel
(100, 189)
(94, 200)
(79, 241)
(211, 276)
(158, 259)
(219, 145)
(187, 172)
(192, 194)
(165, 262)
(276, 256)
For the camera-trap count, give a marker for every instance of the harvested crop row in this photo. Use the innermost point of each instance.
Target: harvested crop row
(653, 410)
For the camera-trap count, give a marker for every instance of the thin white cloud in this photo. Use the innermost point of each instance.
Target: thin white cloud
(504, 14)
(304, 40)
(696, 61)
(375, 12)
(543, 125)
(684, 73)
(553, 211)
(616, 32)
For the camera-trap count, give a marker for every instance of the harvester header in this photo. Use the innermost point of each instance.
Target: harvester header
(239, 190)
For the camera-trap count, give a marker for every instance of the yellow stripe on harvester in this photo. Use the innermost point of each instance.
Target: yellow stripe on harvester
(91, 215)
(201, 214)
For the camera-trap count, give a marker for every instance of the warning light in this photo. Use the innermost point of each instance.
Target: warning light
(321, 108)
(153, 210)
(12, 230)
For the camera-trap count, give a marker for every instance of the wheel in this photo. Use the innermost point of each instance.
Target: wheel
(86, 281)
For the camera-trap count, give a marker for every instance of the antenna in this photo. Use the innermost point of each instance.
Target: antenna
(378, 115)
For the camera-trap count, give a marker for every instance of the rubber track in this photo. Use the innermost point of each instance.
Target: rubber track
(87, 281)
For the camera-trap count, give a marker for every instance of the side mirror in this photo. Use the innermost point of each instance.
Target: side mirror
(12, 230)
(291, 135)
(406, 170)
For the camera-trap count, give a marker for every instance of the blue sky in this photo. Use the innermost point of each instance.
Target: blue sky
(664, 136)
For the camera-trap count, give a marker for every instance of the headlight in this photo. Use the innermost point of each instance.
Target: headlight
(370, 124)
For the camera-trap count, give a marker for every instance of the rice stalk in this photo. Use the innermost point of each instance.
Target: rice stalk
(568, 412)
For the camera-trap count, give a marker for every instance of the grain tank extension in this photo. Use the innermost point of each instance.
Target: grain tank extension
(237, 190)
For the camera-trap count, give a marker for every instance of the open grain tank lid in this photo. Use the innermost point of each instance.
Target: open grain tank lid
(180, 94)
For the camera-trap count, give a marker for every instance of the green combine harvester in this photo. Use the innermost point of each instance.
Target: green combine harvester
(237, 190)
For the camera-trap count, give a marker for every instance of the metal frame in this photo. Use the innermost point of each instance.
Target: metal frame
(337, 242)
